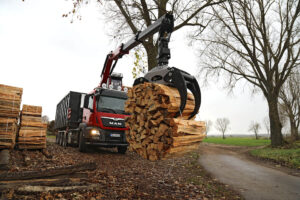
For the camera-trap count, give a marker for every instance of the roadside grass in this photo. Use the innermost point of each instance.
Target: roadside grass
(237, 141)
(287, 157)
(50, 136)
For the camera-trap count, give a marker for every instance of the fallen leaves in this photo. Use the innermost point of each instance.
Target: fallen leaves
(124, 176)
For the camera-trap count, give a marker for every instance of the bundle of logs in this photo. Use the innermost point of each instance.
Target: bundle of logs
(10, 101)
(32, 134)
(154, 132)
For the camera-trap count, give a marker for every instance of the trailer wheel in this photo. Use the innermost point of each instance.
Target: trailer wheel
(122, 150)
(64, 140)
(82, 145)
(56, 138)
(60, 139)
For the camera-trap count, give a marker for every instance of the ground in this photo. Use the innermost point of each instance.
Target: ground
(253, 178)
(120, 176)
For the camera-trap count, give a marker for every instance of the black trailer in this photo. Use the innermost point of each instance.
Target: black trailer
(68, 114)
(69, 111)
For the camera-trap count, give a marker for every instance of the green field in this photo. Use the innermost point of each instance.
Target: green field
(237, 141)
(289, 157)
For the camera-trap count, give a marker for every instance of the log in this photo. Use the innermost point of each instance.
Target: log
(24, 175)
(154, 132)
(25, 189)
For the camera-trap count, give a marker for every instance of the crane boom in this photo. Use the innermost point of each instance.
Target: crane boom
(163, 25)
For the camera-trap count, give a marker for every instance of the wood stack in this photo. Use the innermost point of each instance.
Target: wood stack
(154, 132)
(32, 134)
(10, 101)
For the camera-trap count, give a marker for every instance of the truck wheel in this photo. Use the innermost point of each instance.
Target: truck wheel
(70, 139)
(82, 145)
(56, 138)
(122, 150)
(64, 140)
(60, 139)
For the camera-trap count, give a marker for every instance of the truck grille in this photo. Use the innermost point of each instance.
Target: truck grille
(113, 122)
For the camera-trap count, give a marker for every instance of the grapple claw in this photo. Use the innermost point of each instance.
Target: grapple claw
(193, 86)
(140, 80)
(179, 79)
(175, 78)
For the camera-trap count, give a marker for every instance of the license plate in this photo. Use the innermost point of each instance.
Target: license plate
(114, 135)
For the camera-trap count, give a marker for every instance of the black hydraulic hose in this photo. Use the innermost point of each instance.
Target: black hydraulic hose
(105, 63)
(113, 67)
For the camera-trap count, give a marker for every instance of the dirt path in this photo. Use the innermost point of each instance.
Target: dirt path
(231, 166)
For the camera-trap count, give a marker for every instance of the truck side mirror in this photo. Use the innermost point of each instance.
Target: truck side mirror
(86, 101)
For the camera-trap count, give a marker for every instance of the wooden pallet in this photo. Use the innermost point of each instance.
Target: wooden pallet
(154, 132)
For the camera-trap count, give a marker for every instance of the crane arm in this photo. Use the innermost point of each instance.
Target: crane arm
(163, 25)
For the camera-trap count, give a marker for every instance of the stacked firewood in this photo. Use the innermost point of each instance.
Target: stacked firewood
(154, 132)
(10, 101)
(32, 134)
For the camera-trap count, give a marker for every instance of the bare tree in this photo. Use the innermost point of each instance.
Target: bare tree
(266, 122)
(45, 119)
(126, 17)
(208, 124)
(254, 126)
(257, 42)
(289, 103)
(222, 125)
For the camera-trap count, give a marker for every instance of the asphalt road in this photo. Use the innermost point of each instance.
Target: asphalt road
(251, 179)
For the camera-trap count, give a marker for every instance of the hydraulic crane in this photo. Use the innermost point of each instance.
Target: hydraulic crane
(162, 74)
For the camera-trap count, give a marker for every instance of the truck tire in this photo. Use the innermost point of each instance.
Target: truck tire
(82, 145)
(70, 141)
(64, 140)
(60, 139)
(56, 138)
(122, 150)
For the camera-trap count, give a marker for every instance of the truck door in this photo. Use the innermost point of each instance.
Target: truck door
(88, 108)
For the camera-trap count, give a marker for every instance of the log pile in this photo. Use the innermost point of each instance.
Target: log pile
(154, 132)
(10, 101)
(32, 134)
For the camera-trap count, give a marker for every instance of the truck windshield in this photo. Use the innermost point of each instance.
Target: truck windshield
(113, 104)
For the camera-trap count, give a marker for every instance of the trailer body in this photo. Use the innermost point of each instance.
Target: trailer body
(69, 111)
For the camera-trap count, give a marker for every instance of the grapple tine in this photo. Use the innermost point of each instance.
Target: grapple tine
(176, 78)
(193, 86)
(139, 81)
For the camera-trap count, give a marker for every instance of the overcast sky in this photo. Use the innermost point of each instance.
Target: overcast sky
(48, 56)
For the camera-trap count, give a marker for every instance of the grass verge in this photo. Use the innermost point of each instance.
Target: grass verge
(51, 136)
(236, 141)
(286, 157)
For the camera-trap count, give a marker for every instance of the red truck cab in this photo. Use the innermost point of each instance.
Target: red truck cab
(103, 119)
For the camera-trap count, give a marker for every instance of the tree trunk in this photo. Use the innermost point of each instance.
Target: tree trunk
(275, 124)
(256, 136)
(294, 130)
(151, 55)
(223, 135)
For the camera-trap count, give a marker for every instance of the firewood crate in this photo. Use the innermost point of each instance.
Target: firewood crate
(32, 133)
(10, 101)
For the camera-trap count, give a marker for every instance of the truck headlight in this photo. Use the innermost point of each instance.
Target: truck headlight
(95, 132)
